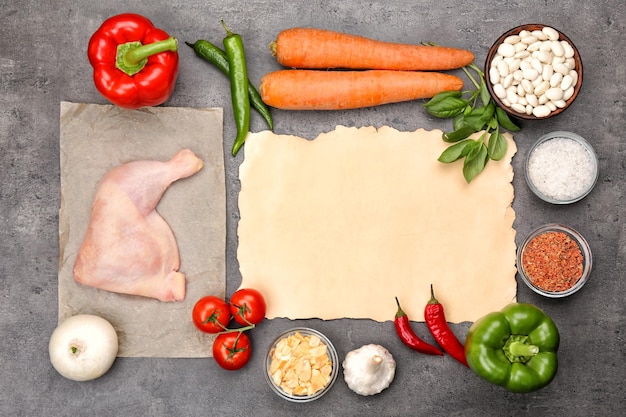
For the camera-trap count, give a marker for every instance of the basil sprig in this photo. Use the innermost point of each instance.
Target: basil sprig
(472, 111)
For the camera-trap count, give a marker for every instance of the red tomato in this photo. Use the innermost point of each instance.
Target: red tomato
(247, 306)
(232, 350)
(211, 314)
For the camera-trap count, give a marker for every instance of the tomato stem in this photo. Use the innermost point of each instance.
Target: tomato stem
(241, 311)
(213, 318)
(240, 330)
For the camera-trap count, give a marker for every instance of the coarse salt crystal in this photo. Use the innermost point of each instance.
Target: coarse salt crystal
(561, 168)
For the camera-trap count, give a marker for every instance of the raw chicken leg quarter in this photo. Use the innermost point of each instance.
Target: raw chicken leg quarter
(129, 248)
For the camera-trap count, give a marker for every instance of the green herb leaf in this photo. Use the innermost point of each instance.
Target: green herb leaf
(484, 93)
(497, 145)
(461, 133)
(505, 121)
(446, 108)
(456, 151)
(472, 111)
(459, 121)
(442, 96)
(475, 162)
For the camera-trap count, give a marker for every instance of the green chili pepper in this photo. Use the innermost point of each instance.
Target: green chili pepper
(216, 56)
(514, 348)
(233, 46)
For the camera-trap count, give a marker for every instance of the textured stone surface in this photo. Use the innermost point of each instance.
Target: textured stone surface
(43, 61)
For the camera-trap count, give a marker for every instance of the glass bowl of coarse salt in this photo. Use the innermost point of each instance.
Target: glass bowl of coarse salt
(561, 167)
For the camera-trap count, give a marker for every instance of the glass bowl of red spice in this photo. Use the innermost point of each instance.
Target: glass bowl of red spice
(554, 261)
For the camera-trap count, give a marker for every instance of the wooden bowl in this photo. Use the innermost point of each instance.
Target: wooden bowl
(578, 66)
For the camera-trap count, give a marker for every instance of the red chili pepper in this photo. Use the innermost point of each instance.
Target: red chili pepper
(438, 326)
(408, 336)
(135, 64)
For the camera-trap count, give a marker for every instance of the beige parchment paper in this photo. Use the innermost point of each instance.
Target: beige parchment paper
(339, 225)
(94, 139)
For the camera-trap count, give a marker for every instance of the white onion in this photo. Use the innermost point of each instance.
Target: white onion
(83, 347)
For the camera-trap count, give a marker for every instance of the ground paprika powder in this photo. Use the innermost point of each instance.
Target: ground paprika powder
(553, 261)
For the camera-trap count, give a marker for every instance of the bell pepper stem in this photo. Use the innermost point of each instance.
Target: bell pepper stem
(521, 349)
(132, 56)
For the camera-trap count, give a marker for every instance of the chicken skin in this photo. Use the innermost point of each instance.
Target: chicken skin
(129, 248)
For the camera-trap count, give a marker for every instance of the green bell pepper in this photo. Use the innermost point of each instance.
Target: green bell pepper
(514, 348)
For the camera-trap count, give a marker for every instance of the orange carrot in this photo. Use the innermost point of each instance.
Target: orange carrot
(338, 90)
(318, 48)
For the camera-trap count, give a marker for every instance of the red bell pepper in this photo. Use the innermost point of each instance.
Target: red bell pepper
(135, 64)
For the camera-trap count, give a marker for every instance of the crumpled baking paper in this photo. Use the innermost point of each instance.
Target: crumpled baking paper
(93, 140)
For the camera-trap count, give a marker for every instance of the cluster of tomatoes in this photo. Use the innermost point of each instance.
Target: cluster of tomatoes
(211, 314)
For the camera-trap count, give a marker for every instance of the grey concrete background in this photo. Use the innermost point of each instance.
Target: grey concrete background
(43, 61)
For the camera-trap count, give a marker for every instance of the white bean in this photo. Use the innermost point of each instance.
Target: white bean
(534, 46)
(539, 35)
(567, 94)
(503, 69)
(530, 39)
(554, 93)
(518, 107)
(506, 50)
(512, 39)
(557, 48)
(522, 100)
(494, 76)
(569, 50)
(499, 91)
(556, 79)
(496, 59)
(566, 82)
(507, 81)
(551, 106)
(532, 100)
(529, 109)
(545, 57)
(560, 103)
(514, 65)
(520, 92)
(537, 65)
(571, 64)
(546, 46)
(542, 88)
(542, 100)
(562, 68)
(547, 72)
(541, 111)
(518, 75)
(527, 86)
(522, 54)
(574, 76)
(550, 33)
(519, 47)
(530, 74)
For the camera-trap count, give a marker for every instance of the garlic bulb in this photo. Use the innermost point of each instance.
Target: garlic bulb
(369, 369)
